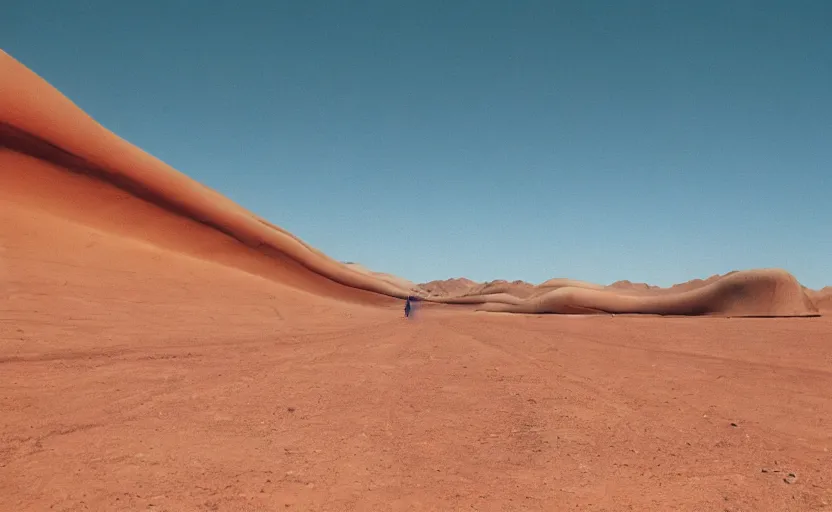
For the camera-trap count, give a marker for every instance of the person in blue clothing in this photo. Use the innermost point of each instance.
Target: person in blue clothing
(407, 308)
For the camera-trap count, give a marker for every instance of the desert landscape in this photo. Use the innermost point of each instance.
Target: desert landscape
(162, 348)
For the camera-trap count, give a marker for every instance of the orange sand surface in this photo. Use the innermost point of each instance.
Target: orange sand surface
(161, 348)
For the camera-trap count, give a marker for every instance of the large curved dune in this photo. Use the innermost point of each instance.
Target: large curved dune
(57, 160)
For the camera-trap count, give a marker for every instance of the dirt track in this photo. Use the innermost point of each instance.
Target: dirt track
(233, 401)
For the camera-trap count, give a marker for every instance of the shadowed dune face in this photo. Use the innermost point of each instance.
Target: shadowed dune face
(56, 160)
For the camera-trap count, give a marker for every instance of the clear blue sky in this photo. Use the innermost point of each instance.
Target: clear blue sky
(646, 140)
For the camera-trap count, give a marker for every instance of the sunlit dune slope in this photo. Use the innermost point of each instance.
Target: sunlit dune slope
(396, 280)
(57, 159)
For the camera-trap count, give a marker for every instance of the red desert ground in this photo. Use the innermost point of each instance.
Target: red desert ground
(162, 348)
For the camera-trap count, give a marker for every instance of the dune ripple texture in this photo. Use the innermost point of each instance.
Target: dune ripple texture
(57, 160)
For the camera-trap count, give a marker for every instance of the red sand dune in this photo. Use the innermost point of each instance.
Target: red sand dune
(768, 292)
(629, 285)
(560, 282)
(66, 164)
(764, 292)
(393, 279)
(519, 289)
(179, 353)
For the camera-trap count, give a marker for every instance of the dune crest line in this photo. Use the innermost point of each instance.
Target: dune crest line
(39, 121)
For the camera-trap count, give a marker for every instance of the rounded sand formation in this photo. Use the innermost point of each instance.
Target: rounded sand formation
(768, 292)
(50, 144)
(56, 159)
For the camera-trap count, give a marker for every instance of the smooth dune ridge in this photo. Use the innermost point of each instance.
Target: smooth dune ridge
(766, 292)
(57, 159)
(396, 280)
(762, 292)
(43, 135)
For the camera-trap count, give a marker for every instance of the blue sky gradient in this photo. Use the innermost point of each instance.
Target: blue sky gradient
(653, 141)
